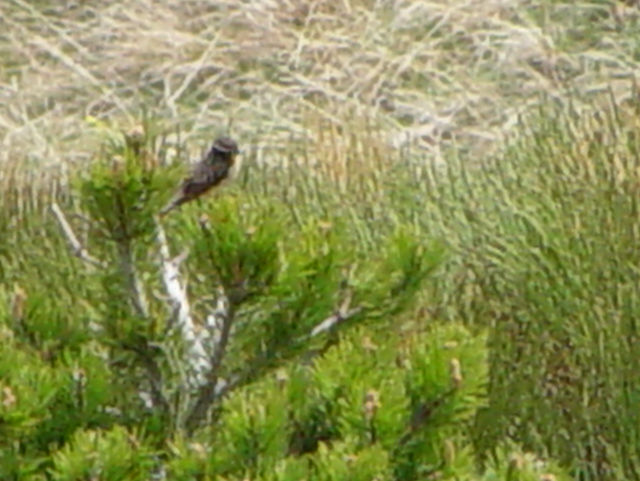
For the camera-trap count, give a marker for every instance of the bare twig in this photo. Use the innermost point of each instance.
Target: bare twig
(76, 247)
(342, 314)
(145, 356)
(333, 320)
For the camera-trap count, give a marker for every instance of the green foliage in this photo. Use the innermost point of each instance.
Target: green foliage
(114, 455)
(511, 464)
(286, 279)
(43, 402)
(240, 244)
(468, 308)
(363, 410)
(106, 346)
(124, 187)
(339, 462)
(29, 389)
(409, 261)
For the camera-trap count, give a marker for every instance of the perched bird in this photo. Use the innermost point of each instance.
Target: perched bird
(218, 165)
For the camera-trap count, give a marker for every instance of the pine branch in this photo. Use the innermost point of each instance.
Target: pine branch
(128, 269)
(197, 357)
(209, 392)
(221, 333)
(150, 366)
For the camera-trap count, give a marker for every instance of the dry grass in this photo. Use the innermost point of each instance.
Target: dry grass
(283, 72)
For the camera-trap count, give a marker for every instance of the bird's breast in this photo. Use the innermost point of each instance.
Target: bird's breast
(235, 167)
(231, 174)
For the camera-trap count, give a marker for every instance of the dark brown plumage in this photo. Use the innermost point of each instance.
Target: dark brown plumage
(214, 168)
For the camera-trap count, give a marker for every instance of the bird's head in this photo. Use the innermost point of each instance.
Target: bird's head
(225, 147)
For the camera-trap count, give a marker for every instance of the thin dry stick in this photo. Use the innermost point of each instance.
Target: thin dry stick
(76, 247)
(333, 320)
(342, 314)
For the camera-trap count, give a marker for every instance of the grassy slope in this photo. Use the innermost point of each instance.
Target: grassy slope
(281, 72)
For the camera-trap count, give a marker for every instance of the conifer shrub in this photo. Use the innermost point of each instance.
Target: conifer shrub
(302, 350)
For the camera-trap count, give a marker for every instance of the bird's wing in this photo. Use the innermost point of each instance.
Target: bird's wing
(204, 177)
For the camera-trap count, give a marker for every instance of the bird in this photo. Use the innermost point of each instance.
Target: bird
(217, 166)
